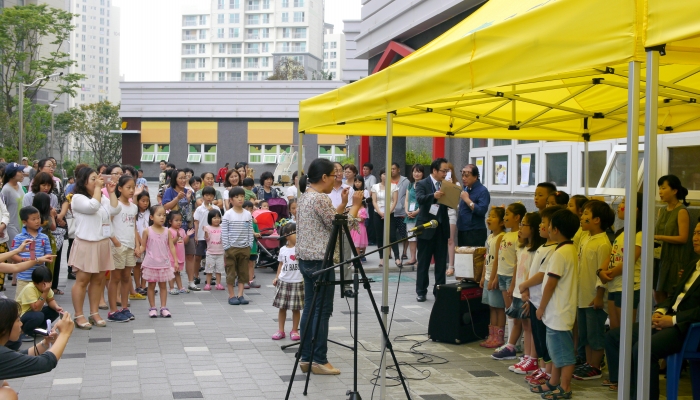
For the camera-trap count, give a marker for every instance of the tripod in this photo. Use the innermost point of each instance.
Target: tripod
(340, 227)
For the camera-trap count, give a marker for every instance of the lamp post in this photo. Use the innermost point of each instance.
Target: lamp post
(50, 149)
(22, 87)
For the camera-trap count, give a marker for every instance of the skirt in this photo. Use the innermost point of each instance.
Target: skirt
(452, 215)
(290, 296)
(359, 236)
(157, 274)
(91, 257)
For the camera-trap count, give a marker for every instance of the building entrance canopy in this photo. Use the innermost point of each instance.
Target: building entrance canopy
(530, 69)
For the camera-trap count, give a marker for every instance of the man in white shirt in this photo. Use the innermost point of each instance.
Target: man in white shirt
(370, 180)
(670, 324)
(27, 170)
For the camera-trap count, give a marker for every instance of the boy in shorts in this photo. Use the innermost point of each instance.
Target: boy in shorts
(237, 238)
(558, 306)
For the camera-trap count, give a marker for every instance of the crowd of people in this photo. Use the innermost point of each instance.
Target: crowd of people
(553, 275)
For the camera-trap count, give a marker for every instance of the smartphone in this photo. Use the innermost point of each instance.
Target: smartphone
(107, 178)
(32, 250)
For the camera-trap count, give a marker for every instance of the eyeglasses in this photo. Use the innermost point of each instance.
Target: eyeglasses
(465, 173)
(521, 225)
(444, 171)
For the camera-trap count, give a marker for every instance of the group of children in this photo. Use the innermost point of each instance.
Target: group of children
(549, 273)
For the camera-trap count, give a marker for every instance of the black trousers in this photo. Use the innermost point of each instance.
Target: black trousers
(379, 232)
(427, 249)
(70, 246)
(369, 223)
(472, 238)
(663, 343)
(57, 268)
(37, 319)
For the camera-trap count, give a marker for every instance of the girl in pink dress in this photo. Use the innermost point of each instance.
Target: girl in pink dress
(158, 263)
(359, 236)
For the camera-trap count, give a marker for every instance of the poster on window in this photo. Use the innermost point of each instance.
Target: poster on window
(525, 170)
(501, 172)
(479, 162)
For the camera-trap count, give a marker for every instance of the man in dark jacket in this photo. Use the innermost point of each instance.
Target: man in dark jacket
(432, 242)
(670, 324)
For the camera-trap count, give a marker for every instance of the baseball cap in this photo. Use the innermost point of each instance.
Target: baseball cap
(25, 159)
(13, 167)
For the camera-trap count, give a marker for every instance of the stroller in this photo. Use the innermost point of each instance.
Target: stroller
(269, 242)
(279, 206)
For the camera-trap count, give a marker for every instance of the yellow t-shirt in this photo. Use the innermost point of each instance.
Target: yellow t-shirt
(30, 294)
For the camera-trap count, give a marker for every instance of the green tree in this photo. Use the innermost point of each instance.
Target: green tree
(62, 135)
(92, 123)
(288, 69)
(34, 42)
(37, 123)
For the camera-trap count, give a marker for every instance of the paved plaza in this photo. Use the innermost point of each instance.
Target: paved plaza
(212, 350)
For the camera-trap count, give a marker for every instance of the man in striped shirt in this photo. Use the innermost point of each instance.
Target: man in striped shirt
(31, 221)
(237, 238)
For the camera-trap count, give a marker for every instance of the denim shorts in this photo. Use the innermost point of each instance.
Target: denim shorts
(516, 309)
(591, 327)
(493, 298)
(617, 298)
(504, 282)
(560, 346)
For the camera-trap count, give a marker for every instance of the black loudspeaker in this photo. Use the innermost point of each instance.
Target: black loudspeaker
(458, 316)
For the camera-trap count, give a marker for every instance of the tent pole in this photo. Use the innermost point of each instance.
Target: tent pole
(586, 167)
(648, 217)
(387, 252)
(300, 158)
(630, 228)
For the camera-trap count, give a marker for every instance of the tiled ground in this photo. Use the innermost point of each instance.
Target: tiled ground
(210, 349)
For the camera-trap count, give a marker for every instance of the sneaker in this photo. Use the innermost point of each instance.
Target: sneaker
(529, 366)
(506, 352)
(137, 296)
(590, 372)
(194, 288)
(128, 313)
(207, 287)
(242, 300)
(174, 292)
(522, 361)
(580, 361)
(246, 286)
(254, 285)
(141, 291)
(165, 313)
(234, 301)
(184, 291)
(197, 281)
(117, 316)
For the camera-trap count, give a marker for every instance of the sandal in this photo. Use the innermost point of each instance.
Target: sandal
(84, 326)
(100, 324)
(153, 312)
(398, 262)
(560, 394)
(164, 313)
(608, 382)
(413, 262)
(450, 271)
(294, 335)
(278, 336)
(58, 292)
(541, 388)
(613, 388)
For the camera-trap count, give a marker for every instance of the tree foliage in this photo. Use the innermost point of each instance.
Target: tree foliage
(288, 69)
(37, 123)
(91, 124)
(322, 76)
(34, 42)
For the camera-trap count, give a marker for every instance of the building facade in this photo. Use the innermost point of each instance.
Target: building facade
(234, 40)
(333, 52)
(95, 48)
(354, 68)
(204, 126)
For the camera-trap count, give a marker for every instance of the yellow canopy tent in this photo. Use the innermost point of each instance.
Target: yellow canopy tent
(541, 70)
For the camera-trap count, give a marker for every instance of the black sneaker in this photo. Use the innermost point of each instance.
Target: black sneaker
(117, 316)
(587, 373)
(197, 281)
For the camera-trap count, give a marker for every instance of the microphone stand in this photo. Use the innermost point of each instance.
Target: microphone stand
(340, 227)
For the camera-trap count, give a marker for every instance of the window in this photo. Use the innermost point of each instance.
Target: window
(202, 63)
(333, 65)
(299, 33)
(202, 48)
(265, 48)
(479, 143)
(614, 176)
(501, 142)
(286, 33)
(234, 18)
(285, 3)
(205, 153)
(325, 65)
(220, 19)
(266, 18)
(151, 152)
(683, 162)
(234, 76)
(267, 153)
(235, 48)
(188, 63)
(500, 170)
(557, 168)
(265, 33)
(202, 19)
(220, 5)
(527, 162)
(265, 61)
(298, 16)
(528, 141)
(222, 63)
(202, 33)
(234, 62)
(220, 33)
(298, 3)
(253, 5)
(200, 76)
(189, 20)
(596, 162)
(334, 45)
(266, 4)
(234, 4)
(252, 63)
(251, 76)
(332, 152)
(234, 32)
(253, 19)
(285, 17)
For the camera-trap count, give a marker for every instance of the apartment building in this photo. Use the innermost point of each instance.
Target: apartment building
(333, 52)
(233, 40)
(95, 48)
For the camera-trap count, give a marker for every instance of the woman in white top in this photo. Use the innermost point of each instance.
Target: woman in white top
(91, 256)
(291, 192)
(378, 200)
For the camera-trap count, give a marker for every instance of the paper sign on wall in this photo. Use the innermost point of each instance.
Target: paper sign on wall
(525, 170)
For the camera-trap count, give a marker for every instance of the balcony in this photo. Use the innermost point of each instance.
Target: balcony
(299, 36)
(253, 7)
(234, 51)
(252, 51)
(252, 21)
(252, 65)
(188, 51)
(189, 37)
(188, 66)
(189, 23)
(293, 49)
(253, 37)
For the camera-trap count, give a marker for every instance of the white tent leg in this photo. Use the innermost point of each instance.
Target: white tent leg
(648, 217)
(586, 169)
(630, 229)
(386, 256)
(300, 159)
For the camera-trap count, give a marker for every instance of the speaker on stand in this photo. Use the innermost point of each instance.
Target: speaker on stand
(458, 316)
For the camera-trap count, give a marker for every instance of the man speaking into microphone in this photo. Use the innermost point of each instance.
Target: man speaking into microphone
(432, 242)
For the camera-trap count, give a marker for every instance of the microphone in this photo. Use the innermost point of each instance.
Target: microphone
(428, 225)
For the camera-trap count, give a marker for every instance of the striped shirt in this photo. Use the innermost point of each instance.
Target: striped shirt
(43, 247)
(237, 229)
